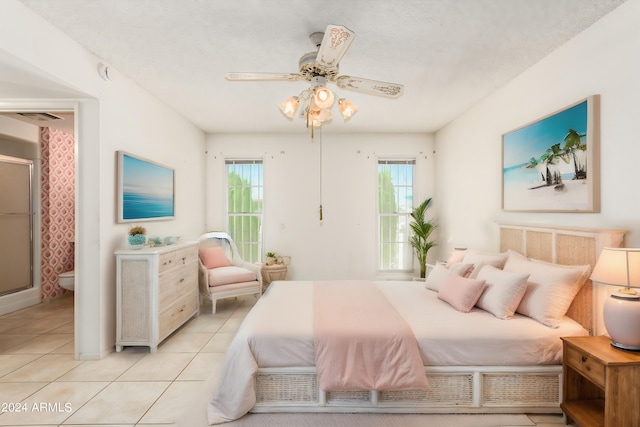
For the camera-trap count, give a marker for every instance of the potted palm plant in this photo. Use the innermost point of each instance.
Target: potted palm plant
(421, 233)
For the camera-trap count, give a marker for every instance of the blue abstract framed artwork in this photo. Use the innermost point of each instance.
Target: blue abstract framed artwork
(552, 164)
(146, 189)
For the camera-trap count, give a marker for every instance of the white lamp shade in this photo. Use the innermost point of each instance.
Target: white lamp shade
(618, 266)
(621, 312)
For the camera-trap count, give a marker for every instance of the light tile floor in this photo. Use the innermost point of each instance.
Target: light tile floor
(41, 383)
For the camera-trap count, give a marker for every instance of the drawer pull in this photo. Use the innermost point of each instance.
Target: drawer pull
(583, 359)
(181, 280)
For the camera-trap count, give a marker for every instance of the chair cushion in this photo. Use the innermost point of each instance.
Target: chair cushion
(228, 275)
(237, 287)
(213, 257)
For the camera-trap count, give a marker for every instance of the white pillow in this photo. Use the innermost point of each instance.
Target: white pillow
(461, 293)
(503, 291)
(475, 257)
(456, 256)
(460, 269)
(440, 272)
(551, 287)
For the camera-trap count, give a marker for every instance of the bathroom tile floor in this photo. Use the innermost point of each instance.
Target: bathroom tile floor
(42, 384)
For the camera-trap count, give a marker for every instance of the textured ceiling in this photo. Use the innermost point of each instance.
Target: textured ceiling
(448, 54)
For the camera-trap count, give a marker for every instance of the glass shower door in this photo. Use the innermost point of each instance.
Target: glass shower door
(16, 221)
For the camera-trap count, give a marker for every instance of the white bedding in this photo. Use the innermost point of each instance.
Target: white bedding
(278, 332)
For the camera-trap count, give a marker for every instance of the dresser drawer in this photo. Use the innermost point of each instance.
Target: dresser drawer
(175, 283)
(178, 257)
(175, 315)
(586, 365)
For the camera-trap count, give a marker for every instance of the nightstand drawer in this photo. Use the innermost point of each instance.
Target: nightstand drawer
(586, 365)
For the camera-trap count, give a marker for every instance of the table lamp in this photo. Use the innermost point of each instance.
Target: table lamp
(621, 267)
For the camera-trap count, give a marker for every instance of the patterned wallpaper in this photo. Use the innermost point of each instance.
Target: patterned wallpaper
(57, 180)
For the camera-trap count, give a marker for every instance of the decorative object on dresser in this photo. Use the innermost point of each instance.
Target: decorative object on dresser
(137, 237)
(222, 271)
(601, 384)
(156, 293)
(621, 267)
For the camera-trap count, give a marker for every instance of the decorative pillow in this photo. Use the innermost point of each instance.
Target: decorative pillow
(473, 256)
(503, 291)
(439, 273)
(213, 257)
(551, 287)
(460, 269)
(456, 256)
(461, 293)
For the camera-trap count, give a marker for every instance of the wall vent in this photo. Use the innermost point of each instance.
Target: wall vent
(41, 117)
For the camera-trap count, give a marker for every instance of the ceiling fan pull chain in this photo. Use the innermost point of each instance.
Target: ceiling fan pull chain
(320, 143)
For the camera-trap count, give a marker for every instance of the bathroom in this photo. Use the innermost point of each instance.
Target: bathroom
(48, 141)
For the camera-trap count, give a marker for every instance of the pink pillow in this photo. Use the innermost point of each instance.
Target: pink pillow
(213, 257)
(461, 293)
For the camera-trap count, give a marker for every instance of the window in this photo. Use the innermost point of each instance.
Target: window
(395, 203)
(244, 206)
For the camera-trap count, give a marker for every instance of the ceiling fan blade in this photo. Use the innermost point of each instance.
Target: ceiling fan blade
(371, 87)
(335, 43)
(263, 76)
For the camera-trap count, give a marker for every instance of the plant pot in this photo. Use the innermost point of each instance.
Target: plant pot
(137, 241)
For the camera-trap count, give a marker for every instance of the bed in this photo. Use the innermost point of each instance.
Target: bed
(270, 365)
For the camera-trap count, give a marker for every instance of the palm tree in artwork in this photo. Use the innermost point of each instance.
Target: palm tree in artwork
(574, 147)
(537, 165)
(551, 157)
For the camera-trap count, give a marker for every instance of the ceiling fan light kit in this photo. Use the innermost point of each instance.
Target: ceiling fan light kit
(319, 68)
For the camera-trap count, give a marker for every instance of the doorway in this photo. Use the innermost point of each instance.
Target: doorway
(31, 114)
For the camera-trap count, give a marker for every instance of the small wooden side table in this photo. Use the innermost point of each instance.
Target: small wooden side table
(273, 272)
(601, 384)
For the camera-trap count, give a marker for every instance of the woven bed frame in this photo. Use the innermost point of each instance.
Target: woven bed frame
(464, 389)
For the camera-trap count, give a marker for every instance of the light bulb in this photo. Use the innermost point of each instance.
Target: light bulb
(323, 97)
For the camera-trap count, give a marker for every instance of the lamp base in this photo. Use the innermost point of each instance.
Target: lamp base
(625, 346)
(622, 319)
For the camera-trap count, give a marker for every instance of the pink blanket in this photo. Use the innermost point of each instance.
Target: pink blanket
(361, 342)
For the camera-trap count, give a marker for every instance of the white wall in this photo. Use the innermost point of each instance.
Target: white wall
(601, 60)
(110, 116)
(343, 245)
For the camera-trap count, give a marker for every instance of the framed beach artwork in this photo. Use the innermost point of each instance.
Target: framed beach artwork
(552, 164)
(146, 189)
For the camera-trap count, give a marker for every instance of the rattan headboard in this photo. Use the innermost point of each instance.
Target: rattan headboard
(569, 246)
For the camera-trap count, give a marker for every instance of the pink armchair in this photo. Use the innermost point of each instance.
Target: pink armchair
(223, 273)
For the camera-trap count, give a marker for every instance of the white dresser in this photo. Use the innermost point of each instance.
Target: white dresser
(156, 292)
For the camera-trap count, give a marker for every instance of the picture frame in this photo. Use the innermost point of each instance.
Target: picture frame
(146, 189)
(553, 163)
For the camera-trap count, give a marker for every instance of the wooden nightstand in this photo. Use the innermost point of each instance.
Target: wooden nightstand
(601, 384)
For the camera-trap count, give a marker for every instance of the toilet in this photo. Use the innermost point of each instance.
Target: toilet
(67, 280)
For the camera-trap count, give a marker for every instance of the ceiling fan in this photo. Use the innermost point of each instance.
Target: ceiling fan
(319, 68)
